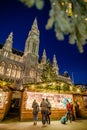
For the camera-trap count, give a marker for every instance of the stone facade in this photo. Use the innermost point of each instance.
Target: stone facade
(23, 67)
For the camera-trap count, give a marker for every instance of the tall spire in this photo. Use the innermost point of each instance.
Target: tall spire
(8, 44)
(55, 66)
(35, 25)
(32, 41)
(44, 57)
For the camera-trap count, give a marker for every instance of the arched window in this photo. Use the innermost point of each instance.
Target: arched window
(2, 68)
(32, 73)
(14, 70)
(18, 74)
(6, 53)
(8, 71)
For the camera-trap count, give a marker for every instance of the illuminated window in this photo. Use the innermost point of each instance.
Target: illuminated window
(5, 53)
(32, 73)
(2, 67)
(8, 72)
(18, 74)
(14, 69)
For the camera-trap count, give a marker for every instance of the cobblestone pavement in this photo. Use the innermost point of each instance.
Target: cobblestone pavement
(55, 125)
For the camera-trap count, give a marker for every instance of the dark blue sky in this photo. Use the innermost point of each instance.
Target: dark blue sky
(17, 18)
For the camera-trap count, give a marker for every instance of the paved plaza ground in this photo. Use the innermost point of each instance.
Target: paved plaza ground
(55, 125)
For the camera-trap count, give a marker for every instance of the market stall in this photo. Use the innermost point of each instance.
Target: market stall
(5, 99)
(57, 100)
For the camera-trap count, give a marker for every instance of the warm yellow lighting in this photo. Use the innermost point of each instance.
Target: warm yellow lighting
(43, 85)
(33, 86)
(78, 90)
(54, 83)
(62, 84)
(50, 84)
(70, 9)
(62, 3)
(3, 83)
(85, 19)
(71, 88)
(76, 15)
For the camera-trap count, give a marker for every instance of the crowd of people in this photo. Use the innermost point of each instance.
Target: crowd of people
(45, 108)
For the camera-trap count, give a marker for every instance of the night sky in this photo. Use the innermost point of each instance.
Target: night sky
(17, 18)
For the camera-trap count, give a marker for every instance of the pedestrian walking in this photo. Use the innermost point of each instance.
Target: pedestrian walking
(35, 107)
(44, 107)
(48, 110)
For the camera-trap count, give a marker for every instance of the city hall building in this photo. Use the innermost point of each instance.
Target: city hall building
(24, 67)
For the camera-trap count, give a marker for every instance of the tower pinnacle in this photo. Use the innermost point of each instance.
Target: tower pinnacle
(55, 66)
(44, 57)
(8, 43)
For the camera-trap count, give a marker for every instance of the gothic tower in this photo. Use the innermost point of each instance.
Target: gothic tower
(31, 53)
(7, 48)
(44, 57)
(55, 66)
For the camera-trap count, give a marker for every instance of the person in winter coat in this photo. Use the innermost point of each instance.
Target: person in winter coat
(69, 111)
(48, 110)
(35, 107)
(44, 107)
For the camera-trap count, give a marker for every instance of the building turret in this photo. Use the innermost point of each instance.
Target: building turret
(55, 66)
(44, 57)
(8, 44)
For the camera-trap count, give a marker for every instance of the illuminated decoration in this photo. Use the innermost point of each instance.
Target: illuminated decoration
(78, 90)
(85, 0)
(54, 87)
(5, 85)
(71, 88)
(70, 9)
(58, 101)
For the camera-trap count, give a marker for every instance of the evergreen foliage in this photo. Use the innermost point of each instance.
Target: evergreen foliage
(68, 17)
(48, 73)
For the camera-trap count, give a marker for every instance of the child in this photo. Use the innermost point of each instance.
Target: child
(63, 119)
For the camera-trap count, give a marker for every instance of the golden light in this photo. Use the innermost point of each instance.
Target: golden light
(62, 84)
(85, 19)
(70, 9)
(3, 83)
(33, 86)
(43, 85)
(54, 83)
(71, 88)
(62, 3)
(78, 90)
